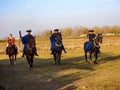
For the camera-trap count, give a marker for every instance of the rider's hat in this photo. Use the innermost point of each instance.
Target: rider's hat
(91, 30)
(29, 31)
(56, 30)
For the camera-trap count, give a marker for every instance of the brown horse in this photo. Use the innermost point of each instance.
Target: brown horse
(11, 53)
(30, 51)
(57, 52)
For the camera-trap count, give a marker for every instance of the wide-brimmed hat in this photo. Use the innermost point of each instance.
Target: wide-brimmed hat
(28, 30)
(91, 30)
(56, 30)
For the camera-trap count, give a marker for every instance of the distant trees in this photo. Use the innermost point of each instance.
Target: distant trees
(77, 31)
(67, 32)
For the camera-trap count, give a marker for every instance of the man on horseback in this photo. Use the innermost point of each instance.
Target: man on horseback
(11, 41)
(54, 37)
(25, 41)
(91, 36)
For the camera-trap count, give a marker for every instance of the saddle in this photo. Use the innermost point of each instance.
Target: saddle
(11, 46)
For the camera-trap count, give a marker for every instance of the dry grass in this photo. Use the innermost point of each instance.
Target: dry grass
(73, 74)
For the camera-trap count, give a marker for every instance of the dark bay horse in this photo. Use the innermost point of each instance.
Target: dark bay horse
(57, 52)
(94, 49)
(30, 51)
(11, 53)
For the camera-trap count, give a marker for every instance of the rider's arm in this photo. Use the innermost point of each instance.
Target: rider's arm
(20, 34)
(87, 37)
(24, 39)
(94, 37)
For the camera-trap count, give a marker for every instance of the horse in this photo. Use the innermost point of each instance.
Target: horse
(57, 51)
(30, 51)
(94, 49)
(12, 53)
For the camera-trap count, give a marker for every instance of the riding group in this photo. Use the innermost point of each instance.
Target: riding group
(29, 49)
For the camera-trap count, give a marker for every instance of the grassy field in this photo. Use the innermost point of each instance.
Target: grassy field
(73, 74)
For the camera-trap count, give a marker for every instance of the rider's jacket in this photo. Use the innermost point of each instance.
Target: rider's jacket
(91, 36)
(11, 40)
(26, 38)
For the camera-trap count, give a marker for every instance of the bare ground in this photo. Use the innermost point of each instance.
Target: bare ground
(73, 74)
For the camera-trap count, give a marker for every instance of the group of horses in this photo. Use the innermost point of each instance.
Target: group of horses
(29, 52)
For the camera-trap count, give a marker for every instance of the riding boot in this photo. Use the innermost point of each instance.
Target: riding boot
(23, 54)
(63, 48)
(36, 53)
(99, 51)
(51, 52)
(65, 51)
(16, 50)
(6, 50)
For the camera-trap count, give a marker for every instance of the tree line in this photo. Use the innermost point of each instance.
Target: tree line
(78, 31)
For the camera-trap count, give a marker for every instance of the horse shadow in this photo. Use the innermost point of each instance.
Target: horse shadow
(106, 57)
(69, 63)
(45, 75)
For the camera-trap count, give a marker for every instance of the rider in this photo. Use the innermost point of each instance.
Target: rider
(54, 37)
(91, 36)
(25, 41)
(11, 40)
(52, 41)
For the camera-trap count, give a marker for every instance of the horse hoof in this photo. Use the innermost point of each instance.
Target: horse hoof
(95, 63)
(59, 63)
(91, 62)
(30, 68)
(54, 63)
(86, 63)
(12, 63)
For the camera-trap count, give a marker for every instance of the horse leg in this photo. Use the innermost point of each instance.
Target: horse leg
(28, 60)
(91, 58)
(96, 56)
(86, 56)
(10, 60)
(31, 61)
(15, 59)
(54, 58)
(59, 58)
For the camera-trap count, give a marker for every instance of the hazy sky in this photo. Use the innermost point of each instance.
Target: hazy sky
(39, 15)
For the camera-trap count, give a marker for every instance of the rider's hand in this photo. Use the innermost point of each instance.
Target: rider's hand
(93, 39)
(19, 32)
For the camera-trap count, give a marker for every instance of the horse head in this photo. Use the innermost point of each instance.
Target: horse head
(58, 45)
(31, 44)
(100, 38)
